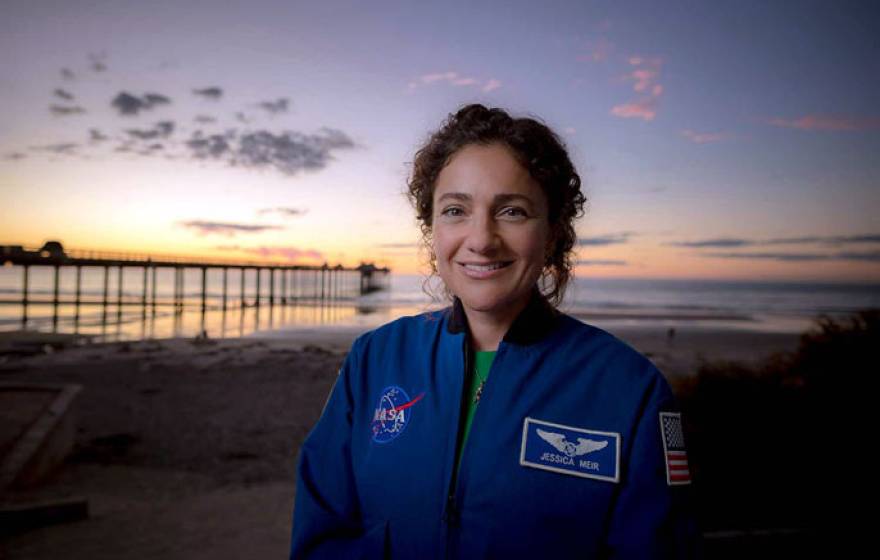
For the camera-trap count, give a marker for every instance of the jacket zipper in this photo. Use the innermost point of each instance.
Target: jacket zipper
(451, 514)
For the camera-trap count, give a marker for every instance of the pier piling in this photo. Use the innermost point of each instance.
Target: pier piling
(309, 284)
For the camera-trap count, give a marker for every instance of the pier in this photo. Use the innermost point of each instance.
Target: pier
(288, 284)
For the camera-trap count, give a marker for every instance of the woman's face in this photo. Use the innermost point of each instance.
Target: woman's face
(490, 229)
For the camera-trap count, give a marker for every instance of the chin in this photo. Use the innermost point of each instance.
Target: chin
(488, 301)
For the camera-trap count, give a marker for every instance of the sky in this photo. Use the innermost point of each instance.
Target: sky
(722, 140)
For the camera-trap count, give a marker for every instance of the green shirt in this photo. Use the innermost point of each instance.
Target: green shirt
(482, 364)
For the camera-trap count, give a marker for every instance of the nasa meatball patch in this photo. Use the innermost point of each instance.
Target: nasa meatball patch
(392, 413)
(570, 450)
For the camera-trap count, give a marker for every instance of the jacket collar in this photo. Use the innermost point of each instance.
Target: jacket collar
(535, 321)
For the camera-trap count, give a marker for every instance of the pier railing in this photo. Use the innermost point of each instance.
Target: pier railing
(288, 282)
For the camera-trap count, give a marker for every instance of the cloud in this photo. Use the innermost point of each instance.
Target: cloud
(128, 104)
(67, 74)
(96, 135)
(203, 227)
(722, 242)
(703, 137)
(212, 93)
(642, 109)
(408, 246)
(610, 239)
(208, 147)
(454, 79)
(14, 156)
(833, 240)
(288, 152)
(286, 212)
(96, 61)
(63, 94)
(61, 110)
(788, 257)
(162, 129)
(828, 239)
(569, 130)
(828, 122)
(274, 107)
(62, 148)
(644, 76)
(288, 253)
(598, 51)
(644, 79)
(869, 256)
(600, 262)
(153, 99)
(491, 85)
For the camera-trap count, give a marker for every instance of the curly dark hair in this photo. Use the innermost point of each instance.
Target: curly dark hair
(537, 148)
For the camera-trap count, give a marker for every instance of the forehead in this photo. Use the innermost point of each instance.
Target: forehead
(479, 171)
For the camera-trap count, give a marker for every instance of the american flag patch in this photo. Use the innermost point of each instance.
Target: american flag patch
(677, 471)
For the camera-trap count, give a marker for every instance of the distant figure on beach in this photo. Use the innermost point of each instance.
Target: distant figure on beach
(498, 427)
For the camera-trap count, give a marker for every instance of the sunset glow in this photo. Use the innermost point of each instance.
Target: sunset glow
(285, 131)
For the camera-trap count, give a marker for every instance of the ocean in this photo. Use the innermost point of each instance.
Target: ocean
(785, 307)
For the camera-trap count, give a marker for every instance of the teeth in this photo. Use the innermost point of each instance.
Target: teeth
(484, 267)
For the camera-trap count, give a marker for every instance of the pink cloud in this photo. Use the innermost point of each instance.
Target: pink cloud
(285, 253)
(600, 50)
(703, 137)
(464, 82)
(492, 84)
(454, 79)
(645, 108)
(430, 78)
(644, 77)
(828, 122)
(227, 229)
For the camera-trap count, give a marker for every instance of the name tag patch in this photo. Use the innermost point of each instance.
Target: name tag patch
(570, 450)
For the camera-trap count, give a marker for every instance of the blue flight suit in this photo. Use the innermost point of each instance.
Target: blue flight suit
(566, 456)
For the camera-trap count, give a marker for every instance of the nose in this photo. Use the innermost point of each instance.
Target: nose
(483, 238)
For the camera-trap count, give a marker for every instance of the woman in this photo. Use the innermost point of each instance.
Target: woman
(498, 427)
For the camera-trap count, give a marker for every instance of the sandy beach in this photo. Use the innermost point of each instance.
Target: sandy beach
(186, 448)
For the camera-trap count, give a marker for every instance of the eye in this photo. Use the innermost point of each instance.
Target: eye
(513, 212)
(452, 211)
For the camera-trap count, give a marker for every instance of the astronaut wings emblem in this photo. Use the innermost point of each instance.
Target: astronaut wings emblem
(561, 444)
(570, 450)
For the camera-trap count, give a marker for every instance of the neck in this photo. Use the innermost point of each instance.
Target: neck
(488, 328)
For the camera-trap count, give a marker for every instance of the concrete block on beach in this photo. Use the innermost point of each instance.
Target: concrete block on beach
(38, 430)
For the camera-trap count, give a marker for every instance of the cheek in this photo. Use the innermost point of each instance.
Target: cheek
(441, 244)
(534, 246)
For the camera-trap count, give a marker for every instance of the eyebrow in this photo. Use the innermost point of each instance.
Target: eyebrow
(497, 199)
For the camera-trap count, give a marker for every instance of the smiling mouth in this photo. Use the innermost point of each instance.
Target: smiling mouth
(486, 267)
